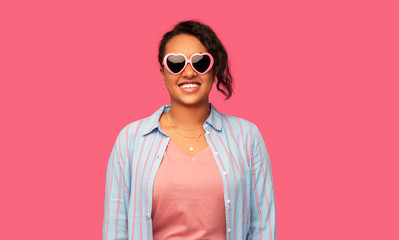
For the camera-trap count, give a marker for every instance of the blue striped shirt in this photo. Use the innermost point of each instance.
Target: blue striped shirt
(240, 154)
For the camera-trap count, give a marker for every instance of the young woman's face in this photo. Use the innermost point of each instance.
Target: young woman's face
(187, 87)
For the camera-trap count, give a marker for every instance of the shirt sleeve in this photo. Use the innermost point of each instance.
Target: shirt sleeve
(116, 193)
(262, 209)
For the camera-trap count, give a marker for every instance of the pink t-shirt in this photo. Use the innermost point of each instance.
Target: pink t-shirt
(188, 198)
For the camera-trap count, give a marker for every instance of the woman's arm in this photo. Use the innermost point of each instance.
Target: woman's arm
(263, 211)
(116, 192)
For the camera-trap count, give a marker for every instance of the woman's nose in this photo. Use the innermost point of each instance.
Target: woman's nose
(189, 72)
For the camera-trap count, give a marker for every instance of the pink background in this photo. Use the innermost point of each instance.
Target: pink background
(319, 78)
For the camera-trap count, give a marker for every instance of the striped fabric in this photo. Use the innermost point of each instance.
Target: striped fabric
(240, 154)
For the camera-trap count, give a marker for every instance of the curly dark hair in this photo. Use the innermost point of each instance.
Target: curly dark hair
(214, 46)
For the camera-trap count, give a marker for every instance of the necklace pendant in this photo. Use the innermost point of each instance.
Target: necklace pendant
(191, 148)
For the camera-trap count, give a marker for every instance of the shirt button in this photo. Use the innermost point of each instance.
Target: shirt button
(207, 132)
(229, 230)
(206, 125)
(228, 201)
(216, 153)
(225, 173)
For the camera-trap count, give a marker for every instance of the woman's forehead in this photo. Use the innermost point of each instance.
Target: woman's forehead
(186, 44)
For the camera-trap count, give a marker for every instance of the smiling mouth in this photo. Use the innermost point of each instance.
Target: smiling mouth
(189, 85)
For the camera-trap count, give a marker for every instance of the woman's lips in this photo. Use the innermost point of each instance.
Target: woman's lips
(189, 87)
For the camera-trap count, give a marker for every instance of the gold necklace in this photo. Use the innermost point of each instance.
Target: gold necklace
(191, 148)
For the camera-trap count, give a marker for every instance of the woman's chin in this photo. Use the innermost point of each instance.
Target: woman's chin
(191, 100)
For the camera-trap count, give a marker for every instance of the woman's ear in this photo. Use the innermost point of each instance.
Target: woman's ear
(162, 72)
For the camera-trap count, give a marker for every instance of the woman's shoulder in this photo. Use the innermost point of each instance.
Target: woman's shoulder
(242, 129)
(226, 121)
(143, 125)
(238, 123)
(136, 127)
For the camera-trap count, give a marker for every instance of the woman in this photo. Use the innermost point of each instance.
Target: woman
(189, 171)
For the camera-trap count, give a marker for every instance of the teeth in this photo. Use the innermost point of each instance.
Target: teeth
(189, 85)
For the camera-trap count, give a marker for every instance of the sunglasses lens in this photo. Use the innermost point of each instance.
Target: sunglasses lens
(201, 63)
(175, 63)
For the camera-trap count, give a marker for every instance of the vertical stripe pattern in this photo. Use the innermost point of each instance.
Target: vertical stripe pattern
(240, 154)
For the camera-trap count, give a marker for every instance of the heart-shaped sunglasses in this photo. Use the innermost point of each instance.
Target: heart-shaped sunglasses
(175, 63)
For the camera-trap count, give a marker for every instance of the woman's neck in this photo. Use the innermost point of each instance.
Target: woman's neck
(185, 116)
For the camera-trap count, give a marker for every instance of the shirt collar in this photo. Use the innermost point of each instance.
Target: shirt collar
(214, 119)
